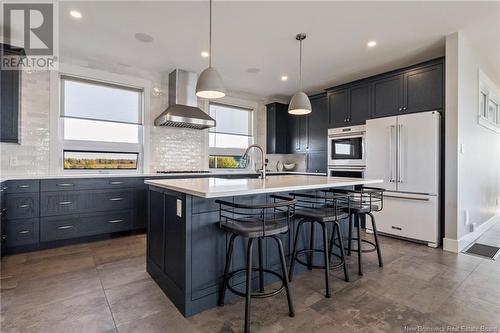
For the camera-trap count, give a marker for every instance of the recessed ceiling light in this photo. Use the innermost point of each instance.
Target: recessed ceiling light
(372, 43)
(284, 78)
(205, 54)
(142, 37)
(253, 70)
(75, 14)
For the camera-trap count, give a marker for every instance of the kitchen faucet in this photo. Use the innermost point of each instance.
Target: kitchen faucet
(245, 158)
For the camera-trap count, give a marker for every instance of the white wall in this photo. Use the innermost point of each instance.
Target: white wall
(472, 151)
(169, 148)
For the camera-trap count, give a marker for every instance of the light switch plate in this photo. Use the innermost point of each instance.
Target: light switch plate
(179, 207)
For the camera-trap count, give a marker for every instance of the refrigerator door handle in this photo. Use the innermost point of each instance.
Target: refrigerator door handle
(400, 153)
(391, 158)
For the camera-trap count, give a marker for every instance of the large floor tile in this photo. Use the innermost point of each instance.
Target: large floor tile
(84, 313)
(166, 322)
(122, 272)
(136, 300)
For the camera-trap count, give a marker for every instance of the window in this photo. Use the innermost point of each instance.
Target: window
(230, 137)
(100, 121)
(90, 160)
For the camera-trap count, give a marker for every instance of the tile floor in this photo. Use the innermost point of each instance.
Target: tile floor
(103, 287)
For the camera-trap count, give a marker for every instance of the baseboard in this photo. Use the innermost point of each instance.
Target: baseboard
(453, 245)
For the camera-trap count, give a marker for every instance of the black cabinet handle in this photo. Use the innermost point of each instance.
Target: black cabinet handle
(23, 232)
(116, 221)
(23, 186)
(115, 199)
(116, 183)
(23, 206)
(64, 203)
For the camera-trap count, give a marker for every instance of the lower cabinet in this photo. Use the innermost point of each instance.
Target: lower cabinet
(22, 232)
(65, 227)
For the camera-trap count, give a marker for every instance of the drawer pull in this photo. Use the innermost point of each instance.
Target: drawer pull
(116, 183)
(23, 186)
(65, 184)
(23, 232)
(396, 228)
(116, 221)
(23, 206)
(62, 227)
(65, 203)
(115, 199)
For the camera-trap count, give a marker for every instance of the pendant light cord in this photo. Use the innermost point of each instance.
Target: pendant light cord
(300, 66)
(210, 36)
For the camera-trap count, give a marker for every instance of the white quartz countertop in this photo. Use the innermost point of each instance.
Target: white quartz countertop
(214, 187)
(214, 173)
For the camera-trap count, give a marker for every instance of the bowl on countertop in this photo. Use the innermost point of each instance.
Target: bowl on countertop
(288, 166)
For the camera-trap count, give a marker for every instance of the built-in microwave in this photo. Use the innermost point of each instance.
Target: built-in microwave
(346, 146)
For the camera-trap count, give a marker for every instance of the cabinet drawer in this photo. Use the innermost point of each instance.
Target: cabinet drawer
(22, 186)
(73, 226)
(72, 184)
(71, 202)
(22, 232)
(22, 205)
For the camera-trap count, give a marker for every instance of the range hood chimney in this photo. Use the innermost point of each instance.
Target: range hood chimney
(182, 108)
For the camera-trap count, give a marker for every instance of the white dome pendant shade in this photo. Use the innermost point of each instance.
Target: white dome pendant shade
(300, 103)
(210, 83)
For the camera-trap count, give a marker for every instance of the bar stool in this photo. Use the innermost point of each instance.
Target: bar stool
(259, 221)
(322, 208)
(363, 202)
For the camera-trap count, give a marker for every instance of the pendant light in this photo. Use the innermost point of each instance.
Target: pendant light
(300, 103)
(210, 83)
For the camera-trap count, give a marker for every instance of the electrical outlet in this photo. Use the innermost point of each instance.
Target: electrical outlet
(179, 208)
(13, 161)
(462, 148)
(472, 226)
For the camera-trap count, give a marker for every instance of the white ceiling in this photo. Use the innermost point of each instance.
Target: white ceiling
(260, 34)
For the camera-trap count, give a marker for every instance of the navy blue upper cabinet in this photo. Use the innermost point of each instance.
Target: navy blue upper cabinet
(424, 89)
(338, 107)
(359, 104)
(317, 129)
(387, 95)
(276, 128)
(10, 97)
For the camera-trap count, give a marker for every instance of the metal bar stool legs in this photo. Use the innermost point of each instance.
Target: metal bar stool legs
(337, 234)
(375, 236)
(285, 275)
(229, 257)
(248, 291)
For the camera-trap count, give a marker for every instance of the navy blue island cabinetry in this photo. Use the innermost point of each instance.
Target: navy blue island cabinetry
(186, 249)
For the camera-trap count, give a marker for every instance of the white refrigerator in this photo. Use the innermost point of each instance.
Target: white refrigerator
(404, 152)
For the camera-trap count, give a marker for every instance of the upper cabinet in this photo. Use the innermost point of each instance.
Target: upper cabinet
(317, 129)
(417, 89)
(424, 89)
(277, 114)
(349, 105)
(10, 97)
(387, 95)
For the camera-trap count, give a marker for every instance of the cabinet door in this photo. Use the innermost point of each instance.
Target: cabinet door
(387, 96)
(318, 124)
(10, 90)
(292, 134)
(276, 128)
(359, 104)
(316, 161)
(156, 229)
(424, 89)
(338, 107)
(303, 133)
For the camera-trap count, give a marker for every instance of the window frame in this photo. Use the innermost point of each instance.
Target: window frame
(57, 142)
(240, 104)
(492, 95)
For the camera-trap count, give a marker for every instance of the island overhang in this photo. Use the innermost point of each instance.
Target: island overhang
(215, 187)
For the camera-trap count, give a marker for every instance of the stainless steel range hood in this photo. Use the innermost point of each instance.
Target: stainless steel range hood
(182, 108)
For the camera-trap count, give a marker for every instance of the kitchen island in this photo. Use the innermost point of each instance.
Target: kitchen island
(185, 247)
